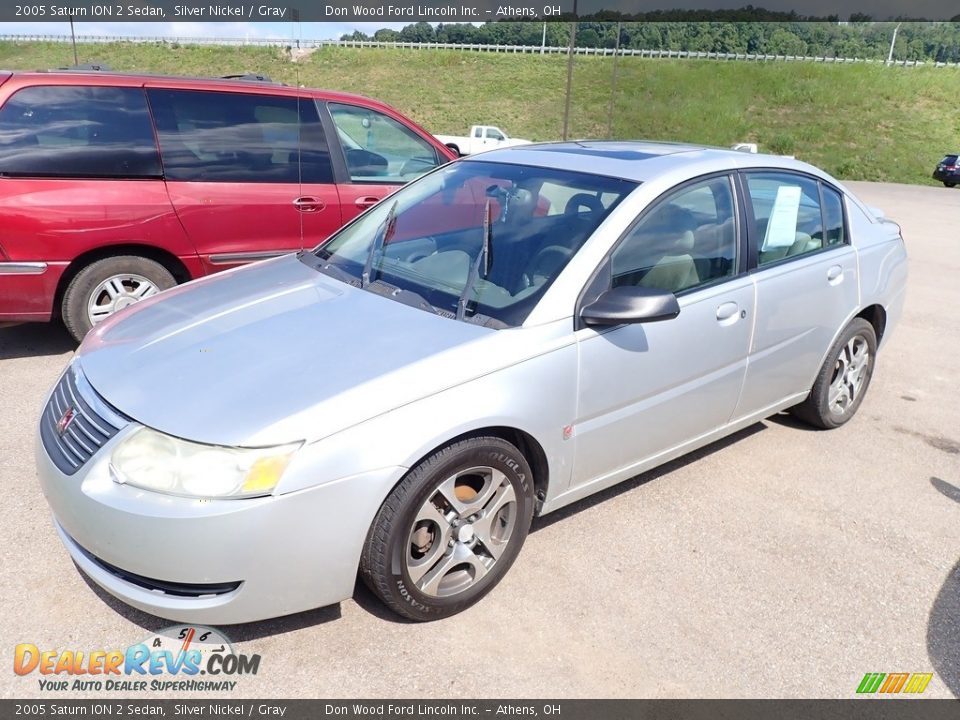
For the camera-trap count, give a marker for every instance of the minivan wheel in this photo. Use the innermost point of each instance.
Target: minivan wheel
(949, 184)
(843, 380)
(109, 285)
(448, 533)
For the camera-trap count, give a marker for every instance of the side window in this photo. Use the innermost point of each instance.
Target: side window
(786, 210)
(378, 148)
(495, 134)
(78, 132)
(686, 240)
(234, 137)
(833, 216)
(478, 132)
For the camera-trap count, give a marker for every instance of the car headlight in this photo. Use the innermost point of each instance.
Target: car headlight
(153, 461)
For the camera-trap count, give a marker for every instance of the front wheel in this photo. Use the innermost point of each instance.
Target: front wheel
(448, 533)
(843, 380)
(109, 285)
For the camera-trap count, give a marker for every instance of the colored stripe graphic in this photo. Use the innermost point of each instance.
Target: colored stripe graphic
(918, 682)
(894, 683)
(914, 683)
(870, 682)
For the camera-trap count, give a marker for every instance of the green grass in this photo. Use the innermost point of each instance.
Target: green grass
(858, 122)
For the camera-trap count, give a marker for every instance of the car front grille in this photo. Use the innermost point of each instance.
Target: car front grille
(76, 423)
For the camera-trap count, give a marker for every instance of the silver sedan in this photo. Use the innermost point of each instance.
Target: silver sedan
(505, 336)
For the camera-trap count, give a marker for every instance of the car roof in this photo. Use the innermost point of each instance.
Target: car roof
(638, 160)
(242, 83)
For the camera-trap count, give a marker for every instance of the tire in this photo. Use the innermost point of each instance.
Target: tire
(949, 184)
(106, 286)
(829, 404)
(456, 149)
(450, 530)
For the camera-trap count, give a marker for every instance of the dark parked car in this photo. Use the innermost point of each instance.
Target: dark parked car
(948, 171)
(114, 187)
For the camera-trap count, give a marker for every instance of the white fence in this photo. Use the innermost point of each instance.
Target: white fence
(521, 49)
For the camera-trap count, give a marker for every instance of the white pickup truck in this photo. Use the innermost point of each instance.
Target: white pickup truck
(482, 137)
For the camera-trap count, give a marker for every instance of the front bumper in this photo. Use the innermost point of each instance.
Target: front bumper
(214, 561)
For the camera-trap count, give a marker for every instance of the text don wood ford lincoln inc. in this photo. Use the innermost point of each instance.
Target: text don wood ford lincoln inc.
(179, 658)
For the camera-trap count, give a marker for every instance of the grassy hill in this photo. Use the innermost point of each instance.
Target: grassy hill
(860, 122)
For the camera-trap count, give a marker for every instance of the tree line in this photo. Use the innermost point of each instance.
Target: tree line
(930, 41)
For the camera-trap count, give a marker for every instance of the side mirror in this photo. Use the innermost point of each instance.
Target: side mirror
(630, 304)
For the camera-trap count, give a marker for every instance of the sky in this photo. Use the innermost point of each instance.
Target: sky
(284, 30)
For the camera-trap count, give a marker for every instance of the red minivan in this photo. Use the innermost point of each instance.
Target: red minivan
(114, 187)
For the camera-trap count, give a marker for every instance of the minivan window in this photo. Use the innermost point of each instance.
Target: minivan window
(77, 132)
(379, 149)
(236, 137)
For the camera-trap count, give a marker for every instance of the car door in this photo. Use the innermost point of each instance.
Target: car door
(377, 155)
(249, 174)
(806, 278)
(493, 138)
(647, 388)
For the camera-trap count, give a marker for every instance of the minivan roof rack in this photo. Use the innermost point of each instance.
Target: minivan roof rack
(252, 77)
(87, 67)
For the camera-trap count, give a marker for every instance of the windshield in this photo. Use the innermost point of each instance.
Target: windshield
(477, 241)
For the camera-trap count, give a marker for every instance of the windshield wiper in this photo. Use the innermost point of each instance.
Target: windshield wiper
(483, 257)
(377, 245)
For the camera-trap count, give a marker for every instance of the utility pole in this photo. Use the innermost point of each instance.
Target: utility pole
(893, 42)
(613, 85)
(573, 42)
(73, 39)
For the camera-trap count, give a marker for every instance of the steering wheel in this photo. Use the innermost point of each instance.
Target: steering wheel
(546, 261)
(591, 202)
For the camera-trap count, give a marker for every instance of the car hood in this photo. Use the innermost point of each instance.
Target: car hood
(275, 353)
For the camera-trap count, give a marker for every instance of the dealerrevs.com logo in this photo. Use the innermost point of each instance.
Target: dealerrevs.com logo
(179, 658)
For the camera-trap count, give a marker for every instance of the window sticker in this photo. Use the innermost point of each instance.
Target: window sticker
(782, 226)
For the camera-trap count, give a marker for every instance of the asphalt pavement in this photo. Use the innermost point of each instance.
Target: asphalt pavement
(780, 562)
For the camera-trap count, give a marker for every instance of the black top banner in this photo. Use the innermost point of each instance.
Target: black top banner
(412, 11)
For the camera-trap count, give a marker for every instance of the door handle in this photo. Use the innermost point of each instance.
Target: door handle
(728, 313)
(366, 201)
(835, 275)
(309, 204)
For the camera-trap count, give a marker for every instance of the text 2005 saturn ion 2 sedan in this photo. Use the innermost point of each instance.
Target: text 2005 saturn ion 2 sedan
(502, 337)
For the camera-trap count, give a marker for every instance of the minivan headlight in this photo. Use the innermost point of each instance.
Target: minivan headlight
(154, 461)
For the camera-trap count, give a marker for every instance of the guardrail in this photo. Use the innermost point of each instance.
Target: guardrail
(474, 47)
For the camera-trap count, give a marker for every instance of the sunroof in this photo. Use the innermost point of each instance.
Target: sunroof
(619, 154)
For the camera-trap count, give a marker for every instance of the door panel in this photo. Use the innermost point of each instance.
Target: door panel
(807, 285)
(233, 223)
(648, 387)
(801, 305)
(248, 174)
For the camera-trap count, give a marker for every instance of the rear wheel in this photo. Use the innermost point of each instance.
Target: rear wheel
(109, 285)
(843, 380)
(450, 530)
(949, 184)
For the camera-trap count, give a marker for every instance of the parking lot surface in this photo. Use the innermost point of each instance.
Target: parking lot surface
(781, 562)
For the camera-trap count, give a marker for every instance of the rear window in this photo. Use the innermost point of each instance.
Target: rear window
(81, 132)
(236, 137)
(949, 160)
